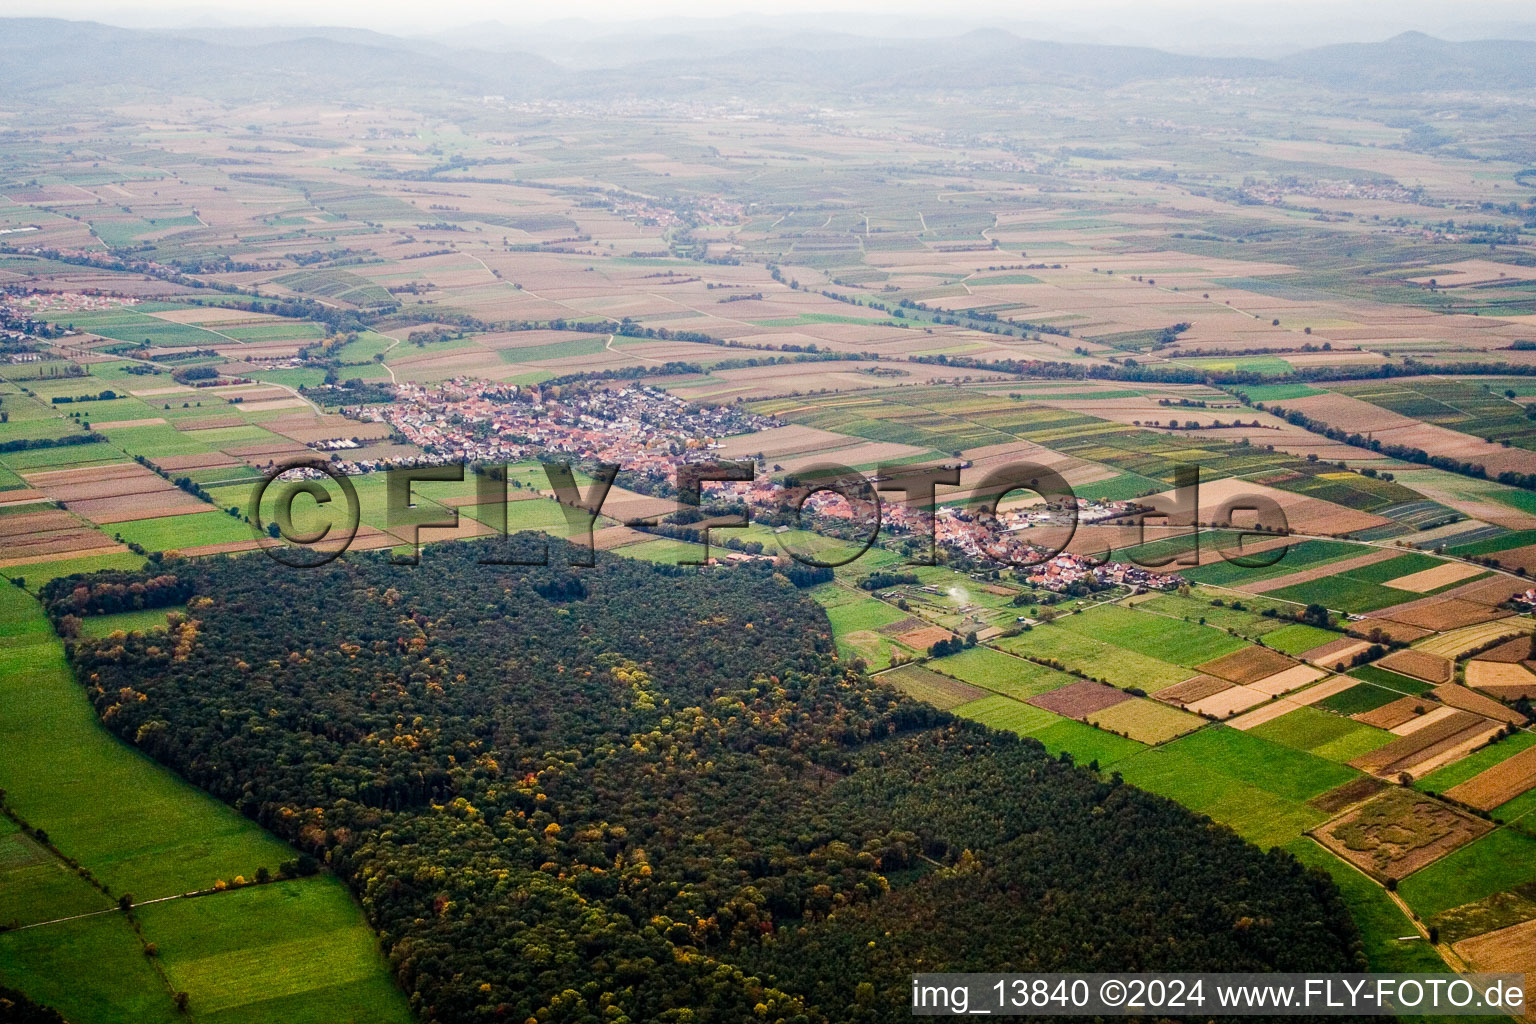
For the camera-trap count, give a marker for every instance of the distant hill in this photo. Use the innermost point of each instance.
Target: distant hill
(977, 60)
(77, 61)
(42, 55)
(1415, 62)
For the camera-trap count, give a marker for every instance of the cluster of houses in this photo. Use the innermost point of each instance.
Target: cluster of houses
(650, 432)
(1064, 570)
(643, 429)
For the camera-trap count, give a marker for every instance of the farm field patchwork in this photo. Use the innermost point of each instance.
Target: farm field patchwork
(1326, 307)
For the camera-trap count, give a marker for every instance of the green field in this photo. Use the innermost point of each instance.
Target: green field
(1001, 673)
(1382, 922)
(143, 620)
(1156, 636)
(169, 533)
(36, 886)
(295, 951)
(1302, 556)
(865, 614)
(38, 459)
(134, 824)
(1500, 860)
(1086, 744)
(1007, 714)
(1359, 698)
(1360, 589)
(1248, 621)
(1257, 787)
(298, 955)
(93, 971)
(934, 688)
(38, 573)
(1326, 735)
(1296, 638)
(664, 550)
(1399, 685)
(1095, 658)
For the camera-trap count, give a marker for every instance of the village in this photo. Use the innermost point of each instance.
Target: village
(649, 433)
(642, 429)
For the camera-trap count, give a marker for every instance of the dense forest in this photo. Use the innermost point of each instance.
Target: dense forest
(638, 793)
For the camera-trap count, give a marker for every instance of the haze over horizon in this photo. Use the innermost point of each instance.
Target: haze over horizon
(1248, 29)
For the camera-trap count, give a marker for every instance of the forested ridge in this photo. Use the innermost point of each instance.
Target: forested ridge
(637, 793)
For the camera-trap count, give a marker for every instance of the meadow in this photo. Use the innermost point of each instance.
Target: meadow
(1258, 787)
(1082, 653)
(296, 950)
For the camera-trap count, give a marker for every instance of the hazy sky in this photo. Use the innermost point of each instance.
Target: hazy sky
(1165, 19)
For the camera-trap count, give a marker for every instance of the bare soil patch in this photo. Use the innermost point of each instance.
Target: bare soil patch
(1440, 613)
(1347, 795)
(65, 477)
(1401, 632)
(1500, 784)
(1518, 558)
(1080, 699)
(1145, 721)
(265, 448)
(1429, 667)
(210, 423)
(212, 460)
(937, 689)
(1493, 591)
(22, 524)
(1192, 690)
(1248, 665)
(1503, 680)
(780, 441)
(1512, 950)
(148, 421)
(611, 537)
(1456, 642)
(1229, 702)
(1465, 699)
(1336, 654)
(1323, 690)
(922, 639)
(1521, 648)
(140, 506)
(1400, 711)
(1408, 752)
(109, 548)
(1436, 712)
